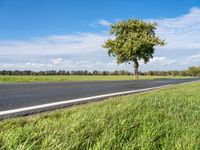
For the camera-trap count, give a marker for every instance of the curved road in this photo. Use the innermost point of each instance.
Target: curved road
(20, 95)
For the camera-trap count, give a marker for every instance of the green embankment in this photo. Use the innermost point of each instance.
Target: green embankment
(162, 119)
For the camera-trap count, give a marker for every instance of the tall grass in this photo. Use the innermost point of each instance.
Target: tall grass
(163, 119)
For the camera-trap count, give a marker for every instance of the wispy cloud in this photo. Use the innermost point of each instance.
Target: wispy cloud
(64, 64)
(182, 32)
(84, 50)
(193, 60)
(57, 44)
(100, 23)
(104, 22)
(161, 61)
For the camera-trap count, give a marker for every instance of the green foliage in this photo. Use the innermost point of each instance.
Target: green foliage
(194, 70)
(133, 40)
(165, 119)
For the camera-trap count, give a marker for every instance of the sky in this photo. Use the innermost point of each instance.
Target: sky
(68, 34)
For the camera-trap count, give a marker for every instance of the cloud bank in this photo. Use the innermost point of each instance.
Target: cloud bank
(84, 50)
(182, 32)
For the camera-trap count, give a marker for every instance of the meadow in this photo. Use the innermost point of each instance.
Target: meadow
(163, 119)
(74, 78)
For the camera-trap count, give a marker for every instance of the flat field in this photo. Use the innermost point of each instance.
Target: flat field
(71, 78)
(163, 119)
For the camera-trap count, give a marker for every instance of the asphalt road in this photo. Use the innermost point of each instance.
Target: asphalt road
(19, 95)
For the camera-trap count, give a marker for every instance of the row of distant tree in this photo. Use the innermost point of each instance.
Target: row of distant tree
(192, 71)
(63, 72)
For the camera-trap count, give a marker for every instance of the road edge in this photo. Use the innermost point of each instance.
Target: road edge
(62, 104)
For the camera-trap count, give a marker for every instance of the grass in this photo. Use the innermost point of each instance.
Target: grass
(70, 78)
(163, 119)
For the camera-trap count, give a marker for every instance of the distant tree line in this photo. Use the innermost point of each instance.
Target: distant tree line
(192, 71)
(63, 72)
(167, 73)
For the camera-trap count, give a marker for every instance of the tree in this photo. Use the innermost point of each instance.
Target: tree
(134, 40)
(194, 71)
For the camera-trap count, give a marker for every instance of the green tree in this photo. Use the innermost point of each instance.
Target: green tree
(194, 71)
(133, 40)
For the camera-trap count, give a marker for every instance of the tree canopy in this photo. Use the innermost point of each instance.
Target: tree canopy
(194, 71)
(133, 40)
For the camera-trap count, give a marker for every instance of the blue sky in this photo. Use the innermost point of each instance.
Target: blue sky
(68, 34)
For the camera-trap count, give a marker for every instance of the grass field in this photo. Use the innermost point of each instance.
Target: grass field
(62, 78)
(163, 119)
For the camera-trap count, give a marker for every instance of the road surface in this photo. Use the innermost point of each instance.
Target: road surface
(21, 95)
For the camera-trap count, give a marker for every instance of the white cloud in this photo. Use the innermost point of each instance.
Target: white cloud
(84, 50)
(57, 44)
(182, 32)
(56, 61)
(161, 61)
(193, 60)
(64, 64)
(104, 22)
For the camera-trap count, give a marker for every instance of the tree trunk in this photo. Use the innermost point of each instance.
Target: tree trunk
(136, 66)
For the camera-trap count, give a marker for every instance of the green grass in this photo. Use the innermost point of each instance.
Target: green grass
(70, 78)
(163, 119)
